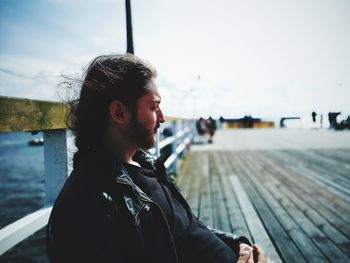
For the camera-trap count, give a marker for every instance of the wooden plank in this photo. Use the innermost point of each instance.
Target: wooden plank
(320, 222)
(328, 163)
(295, 232)
(221, 219)
(184, 180)
(194, 193)
(335, 172)
(325, 203)
(301, 227)
(338, 189)
(307, 191)
(341, 156)
(299, 211)
(281, 228)
(325, 195)
(235, 216)
(256, 227)
(31, 115)
(205, 210)
(296, 239)
(337, 221)
(319, 238)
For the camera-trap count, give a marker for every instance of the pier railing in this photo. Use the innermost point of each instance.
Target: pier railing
(49, 118)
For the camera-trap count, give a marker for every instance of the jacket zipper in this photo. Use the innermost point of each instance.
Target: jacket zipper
(169, 231)
(145, 207)
(122, 181)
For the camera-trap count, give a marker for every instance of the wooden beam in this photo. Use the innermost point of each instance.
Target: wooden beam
(17, 114)
(31, 115)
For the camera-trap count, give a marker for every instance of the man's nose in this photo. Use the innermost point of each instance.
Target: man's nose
(160, 116)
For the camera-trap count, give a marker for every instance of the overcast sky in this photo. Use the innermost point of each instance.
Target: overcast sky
(232, 58)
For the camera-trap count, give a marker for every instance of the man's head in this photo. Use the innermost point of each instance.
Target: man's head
(114, 91)
(137, 126)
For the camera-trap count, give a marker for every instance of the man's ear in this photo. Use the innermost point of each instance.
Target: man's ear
(118, 111)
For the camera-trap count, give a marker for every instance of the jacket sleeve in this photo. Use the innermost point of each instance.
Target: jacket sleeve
(84, 231)
(229, 239)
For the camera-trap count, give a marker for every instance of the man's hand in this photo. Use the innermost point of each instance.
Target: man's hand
(246, 254)
(261, 255)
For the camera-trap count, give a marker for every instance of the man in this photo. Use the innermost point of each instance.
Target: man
(118, 205)
(211, 128)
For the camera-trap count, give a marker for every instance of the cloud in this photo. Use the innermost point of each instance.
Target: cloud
(262, 59)
(12, 73)
(28, 78)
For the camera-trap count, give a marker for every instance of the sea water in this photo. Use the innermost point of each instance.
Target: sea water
(21, 176)
(22, 191)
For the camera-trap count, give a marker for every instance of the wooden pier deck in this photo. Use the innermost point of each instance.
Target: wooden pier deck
(293, 199)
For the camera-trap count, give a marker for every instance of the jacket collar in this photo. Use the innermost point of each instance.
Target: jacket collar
(145, 159)
(121, 175)
(109, 169)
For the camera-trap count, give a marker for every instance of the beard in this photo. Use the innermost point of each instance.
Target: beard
(143, 136)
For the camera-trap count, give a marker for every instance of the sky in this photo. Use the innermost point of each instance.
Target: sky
(230, 58)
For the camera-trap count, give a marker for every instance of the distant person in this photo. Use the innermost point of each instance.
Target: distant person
(330, 120)
(321, 120)
(202, 131)
(201, 126)
(211, 124)
(221, 121)
(332, 117)
(313, 115)
(118, 204)
(167, 150)
(346, 123)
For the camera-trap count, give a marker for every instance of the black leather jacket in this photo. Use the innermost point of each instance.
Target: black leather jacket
(102, 216)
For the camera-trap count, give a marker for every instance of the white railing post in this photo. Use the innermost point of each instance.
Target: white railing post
(55, 159)
(185, 127)
(157, 145)
(175, 128)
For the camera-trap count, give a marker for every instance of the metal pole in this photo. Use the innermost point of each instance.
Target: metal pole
(130, 43)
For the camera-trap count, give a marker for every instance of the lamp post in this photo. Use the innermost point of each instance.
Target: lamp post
(130, 43)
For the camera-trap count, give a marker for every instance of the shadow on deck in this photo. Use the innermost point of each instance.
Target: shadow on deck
(295, 203)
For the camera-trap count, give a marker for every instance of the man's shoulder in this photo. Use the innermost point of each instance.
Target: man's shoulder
(76, 191)
(81, 200)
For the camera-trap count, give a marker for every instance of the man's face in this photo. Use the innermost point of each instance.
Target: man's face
(147, 118)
